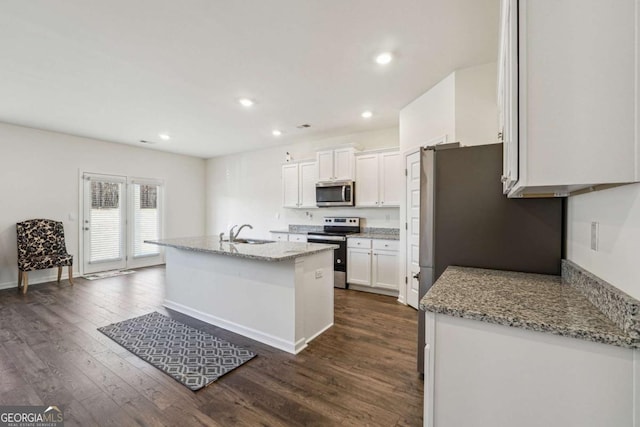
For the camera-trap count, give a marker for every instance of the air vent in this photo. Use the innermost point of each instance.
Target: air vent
(304, 126)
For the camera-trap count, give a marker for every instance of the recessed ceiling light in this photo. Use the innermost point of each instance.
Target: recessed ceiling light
(164, 136)
(384, 58)
(276, 132)
(366, 114)
(245, 102)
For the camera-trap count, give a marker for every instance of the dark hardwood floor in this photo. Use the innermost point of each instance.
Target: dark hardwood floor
(360, 372)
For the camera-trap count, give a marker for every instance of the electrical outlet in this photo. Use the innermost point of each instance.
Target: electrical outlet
(319, 273)
(594, 235)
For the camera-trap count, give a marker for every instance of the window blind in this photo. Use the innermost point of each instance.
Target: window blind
(106, 221)
(146, 217)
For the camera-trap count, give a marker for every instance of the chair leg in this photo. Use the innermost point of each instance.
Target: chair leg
(59, 273)
(25, 277)
(71, 275)
(19, 280)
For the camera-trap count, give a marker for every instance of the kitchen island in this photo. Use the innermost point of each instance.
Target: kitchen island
(278, 293)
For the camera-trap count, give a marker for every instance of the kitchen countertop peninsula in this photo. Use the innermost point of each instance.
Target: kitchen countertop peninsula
(375, 235)
(367, 232)
(273, 251)
(239, 287)
(535, 302)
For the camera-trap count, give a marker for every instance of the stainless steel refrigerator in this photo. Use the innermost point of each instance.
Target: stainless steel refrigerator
(465, 220)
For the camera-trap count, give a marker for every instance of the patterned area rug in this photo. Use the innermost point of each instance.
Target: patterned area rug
(105, 274)
(190, 356)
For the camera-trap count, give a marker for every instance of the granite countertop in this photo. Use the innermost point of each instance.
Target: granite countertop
(529, 301)
(374, 235)
(274, 251)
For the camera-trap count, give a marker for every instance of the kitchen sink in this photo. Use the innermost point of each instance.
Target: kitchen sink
(253, 241)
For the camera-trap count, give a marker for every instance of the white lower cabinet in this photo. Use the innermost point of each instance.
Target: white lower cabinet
(280, 237)
(482, 374)
(373, 263)
(359, 266)
(297, 237)
(288, 237)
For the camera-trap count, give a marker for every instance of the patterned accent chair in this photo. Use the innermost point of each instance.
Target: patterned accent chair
(41, 245)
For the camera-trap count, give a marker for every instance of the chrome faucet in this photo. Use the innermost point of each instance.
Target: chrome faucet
(239, 230)
(233, 236)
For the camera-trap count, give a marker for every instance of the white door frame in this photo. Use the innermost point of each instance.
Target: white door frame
(404, 290)
(131, 261)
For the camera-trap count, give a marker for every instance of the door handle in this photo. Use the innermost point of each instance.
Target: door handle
(417, 276)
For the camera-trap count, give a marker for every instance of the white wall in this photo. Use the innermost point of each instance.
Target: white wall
(617, 211)
(463, 108)
(40, 179)
(430, 116)
(247, 187)
(476, 108)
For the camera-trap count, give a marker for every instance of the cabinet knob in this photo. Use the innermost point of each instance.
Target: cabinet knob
(382, 203)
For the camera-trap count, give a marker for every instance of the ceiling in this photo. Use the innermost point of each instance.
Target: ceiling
(126, 70)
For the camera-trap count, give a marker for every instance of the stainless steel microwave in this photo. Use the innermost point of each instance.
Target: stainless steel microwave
(335, 193)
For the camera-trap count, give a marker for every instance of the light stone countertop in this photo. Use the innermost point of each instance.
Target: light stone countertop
(529, 301)
(274, 251)
(374, 235)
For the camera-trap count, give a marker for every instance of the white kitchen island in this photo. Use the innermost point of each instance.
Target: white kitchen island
(279, 293)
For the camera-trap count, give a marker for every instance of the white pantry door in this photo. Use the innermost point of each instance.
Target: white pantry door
(413, 227)
(104, 223)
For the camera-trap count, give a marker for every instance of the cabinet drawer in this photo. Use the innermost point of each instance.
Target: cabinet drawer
(358, 243)
(297, 237)
(280, 237)
(387, 245)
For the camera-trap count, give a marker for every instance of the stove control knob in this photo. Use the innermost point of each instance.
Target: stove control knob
(339, 261)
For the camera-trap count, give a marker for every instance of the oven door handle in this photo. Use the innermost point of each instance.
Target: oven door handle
(330, 238)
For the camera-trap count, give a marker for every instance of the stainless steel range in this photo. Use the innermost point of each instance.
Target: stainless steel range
(335, 232)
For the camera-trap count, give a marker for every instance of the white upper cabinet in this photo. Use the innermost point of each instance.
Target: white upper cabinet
(567, 95)
(367, 180)
(308, 176)
(290, 186)
(325, 165)
(299, 185)
(378, 179)
(336, 165)
(390, 178)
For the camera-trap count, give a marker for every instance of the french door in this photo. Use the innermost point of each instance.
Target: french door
(119, 214)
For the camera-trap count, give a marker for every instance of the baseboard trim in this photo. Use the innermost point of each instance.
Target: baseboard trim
(387, 292)
(53, 277)
(320, 332)
(279, 343)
